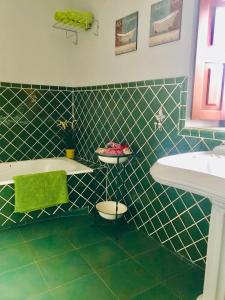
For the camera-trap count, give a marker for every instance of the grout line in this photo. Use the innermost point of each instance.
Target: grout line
(16, 268)
(159, 284)
(69, 282)
(106, 285)
(89, 245)
(134, 258)
(130, 257)
(62, 284)
(95, 272)
(42, 275)
(42, 259)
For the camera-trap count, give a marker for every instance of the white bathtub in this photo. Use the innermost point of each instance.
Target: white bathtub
(11, 169)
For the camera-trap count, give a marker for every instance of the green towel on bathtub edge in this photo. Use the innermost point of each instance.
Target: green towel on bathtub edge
(39, 191)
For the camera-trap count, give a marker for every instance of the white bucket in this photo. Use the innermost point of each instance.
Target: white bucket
(107, 210)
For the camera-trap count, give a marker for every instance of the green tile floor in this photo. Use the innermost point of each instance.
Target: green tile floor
(76, 258)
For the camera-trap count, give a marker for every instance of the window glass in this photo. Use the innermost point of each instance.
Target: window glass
(214, 90)
(219, 28)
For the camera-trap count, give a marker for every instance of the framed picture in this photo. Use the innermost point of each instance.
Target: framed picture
(165, 22)
(126, 34)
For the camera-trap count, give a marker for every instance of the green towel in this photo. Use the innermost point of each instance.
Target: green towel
(41, 190)
(78, 19)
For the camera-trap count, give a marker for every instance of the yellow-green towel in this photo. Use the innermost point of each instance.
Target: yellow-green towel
(78, 19)
(39, 191)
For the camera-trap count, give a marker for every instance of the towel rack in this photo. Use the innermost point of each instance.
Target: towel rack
(73, 32)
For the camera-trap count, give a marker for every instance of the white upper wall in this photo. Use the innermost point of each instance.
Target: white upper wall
(98, 63)
(32, 51)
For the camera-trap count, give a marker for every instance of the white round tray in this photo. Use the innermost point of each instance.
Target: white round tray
(107, 210)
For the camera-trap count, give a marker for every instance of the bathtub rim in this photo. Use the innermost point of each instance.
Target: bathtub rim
(62, 158)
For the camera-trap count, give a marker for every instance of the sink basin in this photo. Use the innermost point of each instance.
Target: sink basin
(202, 173)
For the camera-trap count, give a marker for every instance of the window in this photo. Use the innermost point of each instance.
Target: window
(209, 82)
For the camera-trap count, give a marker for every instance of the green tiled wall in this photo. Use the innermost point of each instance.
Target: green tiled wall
(28, 117)
(126, 112)
(122, 112)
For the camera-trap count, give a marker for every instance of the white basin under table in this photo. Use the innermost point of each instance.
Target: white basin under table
(202, 173)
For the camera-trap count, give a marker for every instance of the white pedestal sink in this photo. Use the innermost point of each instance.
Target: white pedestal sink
(202, 173)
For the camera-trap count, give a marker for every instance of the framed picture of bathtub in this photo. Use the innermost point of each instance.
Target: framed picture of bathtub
(126, 34)
(165, 22)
